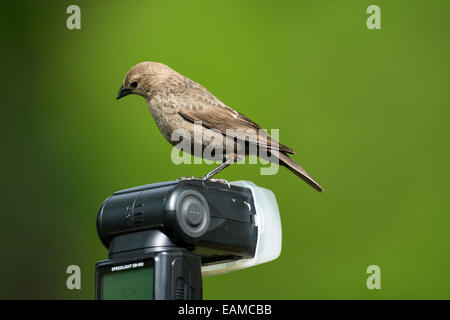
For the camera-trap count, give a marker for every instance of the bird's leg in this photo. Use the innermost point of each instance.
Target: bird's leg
(209, 175)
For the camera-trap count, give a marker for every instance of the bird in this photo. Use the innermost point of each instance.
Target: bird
(176, 101)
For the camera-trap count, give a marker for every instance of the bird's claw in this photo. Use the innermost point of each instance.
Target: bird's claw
(204, 179)
(188, 178)
(217, 180)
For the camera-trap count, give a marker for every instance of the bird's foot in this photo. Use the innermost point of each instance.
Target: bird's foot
(216, 180)
(204, 179)
(188, 178)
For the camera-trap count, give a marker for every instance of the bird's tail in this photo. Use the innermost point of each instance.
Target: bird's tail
(298, 171)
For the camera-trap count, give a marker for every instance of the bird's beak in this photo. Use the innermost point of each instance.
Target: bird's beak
(122, 92)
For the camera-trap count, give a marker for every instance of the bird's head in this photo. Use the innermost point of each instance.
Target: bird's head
(144, 79)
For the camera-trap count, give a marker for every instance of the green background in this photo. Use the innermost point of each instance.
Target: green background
(366, 110)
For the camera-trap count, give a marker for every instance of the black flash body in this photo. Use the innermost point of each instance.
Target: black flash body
(160, 235)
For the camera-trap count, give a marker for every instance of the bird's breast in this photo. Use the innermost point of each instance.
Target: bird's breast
(166, 117)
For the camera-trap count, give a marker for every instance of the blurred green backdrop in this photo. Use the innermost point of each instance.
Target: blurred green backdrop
(366, 110)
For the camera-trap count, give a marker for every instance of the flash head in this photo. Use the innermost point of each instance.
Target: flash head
(220, 222)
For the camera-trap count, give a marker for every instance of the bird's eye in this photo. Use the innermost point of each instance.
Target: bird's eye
(134, 84)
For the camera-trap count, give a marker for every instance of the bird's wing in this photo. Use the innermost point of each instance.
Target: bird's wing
(198, 104)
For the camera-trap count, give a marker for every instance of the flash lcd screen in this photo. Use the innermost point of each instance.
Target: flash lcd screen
(132, 281)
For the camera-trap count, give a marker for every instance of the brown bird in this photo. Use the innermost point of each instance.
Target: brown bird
(176, 102)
